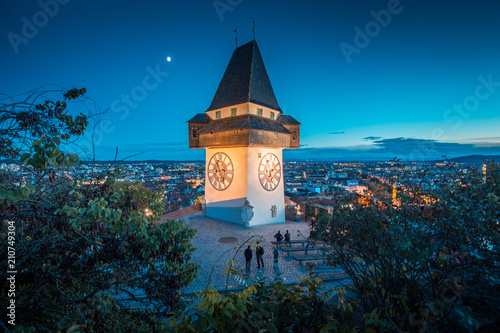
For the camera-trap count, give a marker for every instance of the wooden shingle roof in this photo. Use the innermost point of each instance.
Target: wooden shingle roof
(200, 118)
(287, 120)
(245, 81)
(243, 121)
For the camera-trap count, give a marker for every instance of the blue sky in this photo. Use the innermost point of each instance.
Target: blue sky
(368, 80)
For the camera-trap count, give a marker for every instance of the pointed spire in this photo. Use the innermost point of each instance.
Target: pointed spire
(245, 81)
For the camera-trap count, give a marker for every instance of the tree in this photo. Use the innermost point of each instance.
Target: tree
(87, 255)
(138, 196)
(418, 268)
(261, 307)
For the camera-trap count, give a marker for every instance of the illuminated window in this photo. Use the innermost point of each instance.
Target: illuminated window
(259, 112)
(272, 115)
(233, 112)
(217, 114)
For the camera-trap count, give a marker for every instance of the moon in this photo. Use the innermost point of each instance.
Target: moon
(168, 59)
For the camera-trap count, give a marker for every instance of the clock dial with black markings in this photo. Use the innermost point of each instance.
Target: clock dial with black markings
(220, 171)
(270, 172)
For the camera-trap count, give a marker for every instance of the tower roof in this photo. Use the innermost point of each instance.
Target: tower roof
(245, 81)
(287, 120)
(243, 121)
(200, 118)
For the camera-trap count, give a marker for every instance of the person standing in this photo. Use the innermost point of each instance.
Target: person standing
(259, 251)
(278, 236)
(287, 236)
(248, 258)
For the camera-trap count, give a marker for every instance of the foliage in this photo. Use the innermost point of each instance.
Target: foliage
(420, 268)
(199, 200)
(172, 206)
(377, 188)
(138, 196)
(88, 258)
(261, 307)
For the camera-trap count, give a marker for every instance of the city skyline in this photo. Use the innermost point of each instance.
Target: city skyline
(369, 80)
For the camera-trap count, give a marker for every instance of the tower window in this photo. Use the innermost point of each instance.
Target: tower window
(217, 114)
(233, 112)
(194, 133)
(294, 135)
(259, 112)
(272, 115)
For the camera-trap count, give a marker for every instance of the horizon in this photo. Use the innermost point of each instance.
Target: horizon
(393, 160)
(369, 81)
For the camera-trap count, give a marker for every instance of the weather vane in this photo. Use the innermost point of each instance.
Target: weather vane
(253, 29)
(236, 37)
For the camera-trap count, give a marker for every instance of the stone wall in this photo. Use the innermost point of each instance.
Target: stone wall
(181, 212)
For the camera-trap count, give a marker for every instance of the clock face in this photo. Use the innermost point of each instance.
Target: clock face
(220, 171)
(269, 172)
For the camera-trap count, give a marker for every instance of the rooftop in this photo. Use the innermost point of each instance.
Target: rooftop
(200, 118)
(245, 81)
(287, 120)
(243, 121)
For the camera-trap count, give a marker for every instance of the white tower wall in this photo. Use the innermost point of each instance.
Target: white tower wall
(226, 205)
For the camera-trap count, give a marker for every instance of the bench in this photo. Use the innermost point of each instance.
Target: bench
(324, 269)
(289, 243)
(305, 249)
(300, 259)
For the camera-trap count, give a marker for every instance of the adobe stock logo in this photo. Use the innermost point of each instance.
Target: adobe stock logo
(30, 28)
(152, 80)
(225, 6)
(139, 92)
(454, 116)
(372, 29)
(471, 103)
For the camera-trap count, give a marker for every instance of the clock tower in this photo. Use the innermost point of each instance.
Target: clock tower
(244, 133)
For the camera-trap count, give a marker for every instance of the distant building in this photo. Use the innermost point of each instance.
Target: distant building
(333, 174)
(352, 182)
(360, 189)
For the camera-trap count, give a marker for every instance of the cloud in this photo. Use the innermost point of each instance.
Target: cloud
(491, 138)
(409, 149)
(372, 138)
(425, 149)
(484, 142)
(304, 145)
(336, 133)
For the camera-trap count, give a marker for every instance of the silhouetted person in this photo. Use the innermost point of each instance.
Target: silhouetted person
(278, 236)
(248, 257)
(287, 236)
(259, 251)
